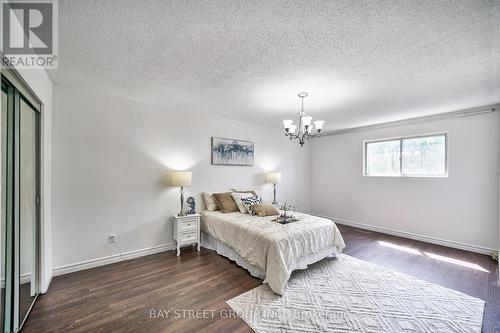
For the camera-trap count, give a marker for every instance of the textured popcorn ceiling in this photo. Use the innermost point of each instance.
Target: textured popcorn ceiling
(362, 62)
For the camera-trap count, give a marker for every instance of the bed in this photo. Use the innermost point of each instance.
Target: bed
(267, 249)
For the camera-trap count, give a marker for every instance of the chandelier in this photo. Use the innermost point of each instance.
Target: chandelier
(304, 128)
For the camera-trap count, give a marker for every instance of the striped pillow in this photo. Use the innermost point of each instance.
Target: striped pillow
(249, 202)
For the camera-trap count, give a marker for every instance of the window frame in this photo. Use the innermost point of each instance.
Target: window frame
(400, 139)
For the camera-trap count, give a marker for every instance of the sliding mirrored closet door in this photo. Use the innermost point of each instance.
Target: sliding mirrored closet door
(19, 247)
(28, 218)
(3, 200)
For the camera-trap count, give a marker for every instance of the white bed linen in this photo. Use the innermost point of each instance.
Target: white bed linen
(274, 248)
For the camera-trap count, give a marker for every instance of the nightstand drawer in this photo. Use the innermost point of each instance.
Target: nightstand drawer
(187, 236)
(188, 224)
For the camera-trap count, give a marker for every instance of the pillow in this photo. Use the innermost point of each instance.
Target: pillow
(237, 196)
(210, 201)
(250, 202)
(226, 202)
(265, 209)
(244, 191)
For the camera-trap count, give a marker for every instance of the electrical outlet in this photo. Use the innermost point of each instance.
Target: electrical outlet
(112, 238)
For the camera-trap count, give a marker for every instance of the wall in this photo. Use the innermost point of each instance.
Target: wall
(111, 158)
(39, 82)
(461, 209)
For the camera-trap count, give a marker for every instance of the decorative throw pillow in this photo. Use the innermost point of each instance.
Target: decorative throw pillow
(265, 209)
(244, 191)
(226, 202)
(250, 202)
(237, 196)
(210, 201)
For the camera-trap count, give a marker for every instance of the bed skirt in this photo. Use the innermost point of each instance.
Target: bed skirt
(212, 243)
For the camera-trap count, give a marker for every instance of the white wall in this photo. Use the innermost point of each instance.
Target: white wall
(462, 208)
(111, 158)
(39, 82)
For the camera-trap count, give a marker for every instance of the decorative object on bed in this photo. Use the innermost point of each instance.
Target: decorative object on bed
(226, 202)
(182, 179)
(286, 215)
(265, 209)
(237, 196)
(351, 295)
(210, 201)
(232, 152)
(304, 128)
(192, 206)
(274, 178)
(287, 209)
(279, 205)
(250, 202)
(282, 220)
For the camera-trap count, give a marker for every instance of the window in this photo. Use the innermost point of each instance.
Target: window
(421, 156)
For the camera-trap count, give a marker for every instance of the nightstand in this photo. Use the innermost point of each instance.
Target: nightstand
(186, 230)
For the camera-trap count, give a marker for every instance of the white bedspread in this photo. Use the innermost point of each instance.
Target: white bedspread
(273, 247)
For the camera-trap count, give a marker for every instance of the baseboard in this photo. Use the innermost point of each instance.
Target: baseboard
(404, 234)
(24, 278)
(65, 269)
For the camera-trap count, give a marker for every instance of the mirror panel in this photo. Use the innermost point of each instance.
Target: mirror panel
(28, 206)
(3, 202)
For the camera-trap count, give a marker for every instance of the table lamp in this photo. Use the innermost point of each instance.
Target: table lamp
(182, 179)
(273, 178)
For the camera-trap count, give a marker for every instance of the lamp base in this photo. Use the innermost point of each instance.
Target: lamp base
(274, 199)
(181, 213)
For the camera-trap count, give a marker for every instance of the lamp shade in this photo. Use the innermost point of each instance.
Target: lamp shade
(287, 123)
(273, 177)
(319, 124)
(306, 120)
(181, 178)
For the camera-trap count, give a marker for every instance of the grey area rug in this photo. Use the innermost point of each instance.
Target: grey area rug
(351, 295)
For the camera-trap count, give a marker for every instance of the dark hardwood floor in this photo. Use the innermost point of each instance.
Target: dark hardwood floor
(121, 297)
